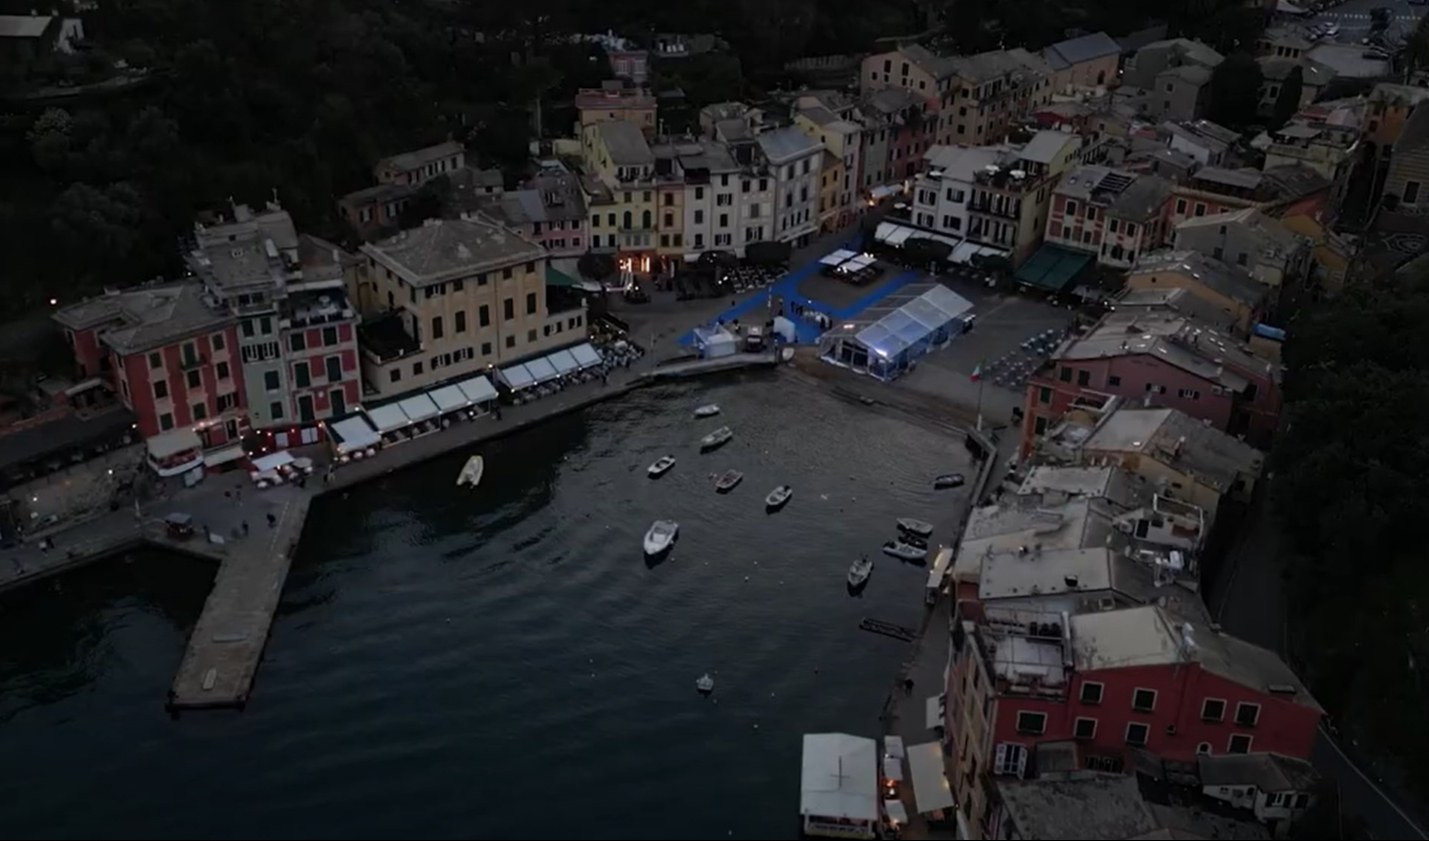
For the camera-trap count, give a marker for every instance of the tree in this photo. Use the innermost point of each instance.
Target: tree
(49, 139)
(1235, 91)
(1287, 102)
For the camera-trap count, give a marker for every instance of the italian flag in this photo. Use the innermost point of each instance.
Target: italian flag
(977, 372)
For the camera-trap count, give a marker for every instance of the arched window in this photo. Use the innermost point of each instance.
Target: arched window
(626, 226)
(645, 221)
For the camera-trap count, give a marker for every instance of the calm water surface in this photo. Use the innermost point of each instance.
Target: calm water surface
(501, 662)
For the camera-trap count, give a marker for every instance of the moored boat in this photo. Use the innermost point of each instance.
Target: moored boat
(728, 481)
(912, 526)
(778, 497)
(718, 438)
(860, 570)
(706, 411)
(471, 472)
(704, 684)
(661, 466)
(948, 480)
(904, 551)
(661, 536)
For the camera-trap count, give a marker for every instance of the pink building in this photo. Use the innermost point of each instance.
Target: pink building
(1113, 214)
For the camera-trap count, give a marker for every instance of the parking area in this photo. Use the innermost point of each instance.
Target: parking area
(1005, 322)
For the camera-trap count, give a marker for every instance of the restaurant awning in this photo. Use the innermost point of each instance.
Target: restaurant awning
(448, 398)
(931, 791)
(477, 389)
(173, 442)
(586, 355)
(564, 362)
(840, 777)
(419, 408)
(353, 433)
(224, 455)
(272, 461)
(388, 417)
(542, 370)
(516, 377)
(1052, 268)
(836, 257)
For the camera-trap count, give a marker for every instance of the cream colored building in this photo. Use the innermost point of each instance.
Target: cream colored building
(459, 295)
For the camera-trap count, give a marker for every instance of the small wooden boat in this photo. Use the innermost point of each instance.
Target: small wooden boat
(718, 438)
(708, 410)
(726, 483)
(948, 480)
(661, 466)
(778, 497)
(904, 551)
(704, 684)
(471, 472)
(661, 537)
(860, 571)
(912, 526)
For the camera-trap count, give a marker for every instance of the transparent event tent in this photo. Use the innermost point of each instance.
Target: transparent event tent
(887, 338)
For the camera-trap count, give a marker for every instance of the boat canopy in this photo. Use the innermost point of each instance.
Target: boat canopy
(931, 791)
(840, 777)
(353, 433)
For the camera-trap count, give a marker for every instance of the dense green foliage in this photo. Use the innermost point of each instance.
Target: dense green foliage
(1235, 91)
(1287, 102)
(1350, 489)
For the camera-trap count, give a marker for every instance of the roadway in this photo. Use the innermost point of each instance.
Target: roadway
(1353, 16)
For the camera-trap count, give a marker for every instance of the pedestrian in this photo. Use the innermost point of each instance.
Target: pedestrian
(245, 528)
(272, 521)
(207, 535)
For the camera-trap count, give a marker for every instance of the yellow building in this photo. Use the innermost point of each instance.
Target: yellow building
(621, 192)
(838, 190)
(459, 296)
(670, 215)
(1328, 250)
(831, 192)
(1239, 296)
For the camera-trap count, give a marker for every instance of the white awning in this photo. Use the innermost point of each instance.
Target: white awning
(173, 442)
(837, 257)
(516, 377)
(354, 433)
(892, 768)
(586, 355)
(418, 408)
(541, 370)
(968, 250)
(449, 398)
(477, 389)
(223, 455)
(840, 777)
(387, 418)
(897, 813)
(272, 461)
(564, 362)
(931, 791)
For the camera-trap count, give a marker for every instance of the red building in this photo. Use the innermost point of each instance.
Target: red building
(1158, 357)
(170, 354)
(1113, 214)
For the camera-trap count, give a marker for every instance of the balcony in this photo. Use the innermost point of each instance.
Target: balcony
(1002, 210)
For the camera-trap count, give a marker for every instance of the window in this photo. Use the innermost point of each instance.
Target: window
(417, 368)
(334, 368)
(194, 380)
(483, 316)
(460, 319)
(1239, 743)
(1044, 395)
(1064, 374)
(1188, 393)
(200, 411)
(1200, 209)
(1091, 693)
(161, 389)
(1240, 259)
(330, 334)
(166, 421)
(301, 375)
(1010, 760)
(1084, 378)
(1411, 192)
(506, 272)
(699, 193)
(270, 380)
(1247, 714)
(338, 401)
(297, 342)
(457, 286)
(155, 361)
(530, 303)
(486, 348)
(1071, 208)
(511, 341)
(1113, 380)
(1032, 723)
(438, 330)
(1085, 728)
(699, 217)
(1136, 733)
(1039, 425)
(394, 375)
(228, 401)
(1143, 700)
(508, 309)
(217, 341)
(724, 199)
(1180, 206)
(1111, 225)
(221, 370)
(1203, 749)
(305, 408)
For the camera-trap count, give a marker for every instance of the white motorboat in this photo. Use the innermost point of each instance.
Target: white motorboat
(708, 410)
(948, 480)
(471, 472)
(661, 537)
(777, 497)
(705, 684)
(661, 466)
(718, 438)
(913, 526)
(859, 572)
(727, 482)
(904, 551)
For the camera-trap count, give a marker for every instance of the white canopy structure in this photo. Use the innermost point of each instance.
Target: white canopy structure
(517, 377)
(418, 408)
(931, 791)
(836, 257)
(563, 362)
(477, 389)
(839, 784)
(388, 417)
(586, 355)
(173, 442)
(542, 371)
(354, 433)
(272, 461)
(448, 398)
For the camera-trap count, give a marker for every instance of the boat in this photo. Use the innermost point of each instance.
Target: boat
(728, 481)
(913, 526)
(718, 438)
(859, 572)
(913, 540)
(661, 466)
(948, 480)
(778, 497)
(904, 551)
(471, 472)
(661, 537)
(705, 684)
(708, 410)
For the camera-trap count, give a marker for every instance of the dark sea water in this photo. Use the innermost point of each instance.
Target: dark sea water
(501, 662)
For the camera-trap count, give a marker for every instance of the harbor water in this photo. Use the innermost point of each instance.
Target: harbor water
(502, 661)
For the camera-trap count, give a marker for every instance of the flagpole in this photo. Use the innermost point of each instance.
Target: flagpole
(979, 404)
